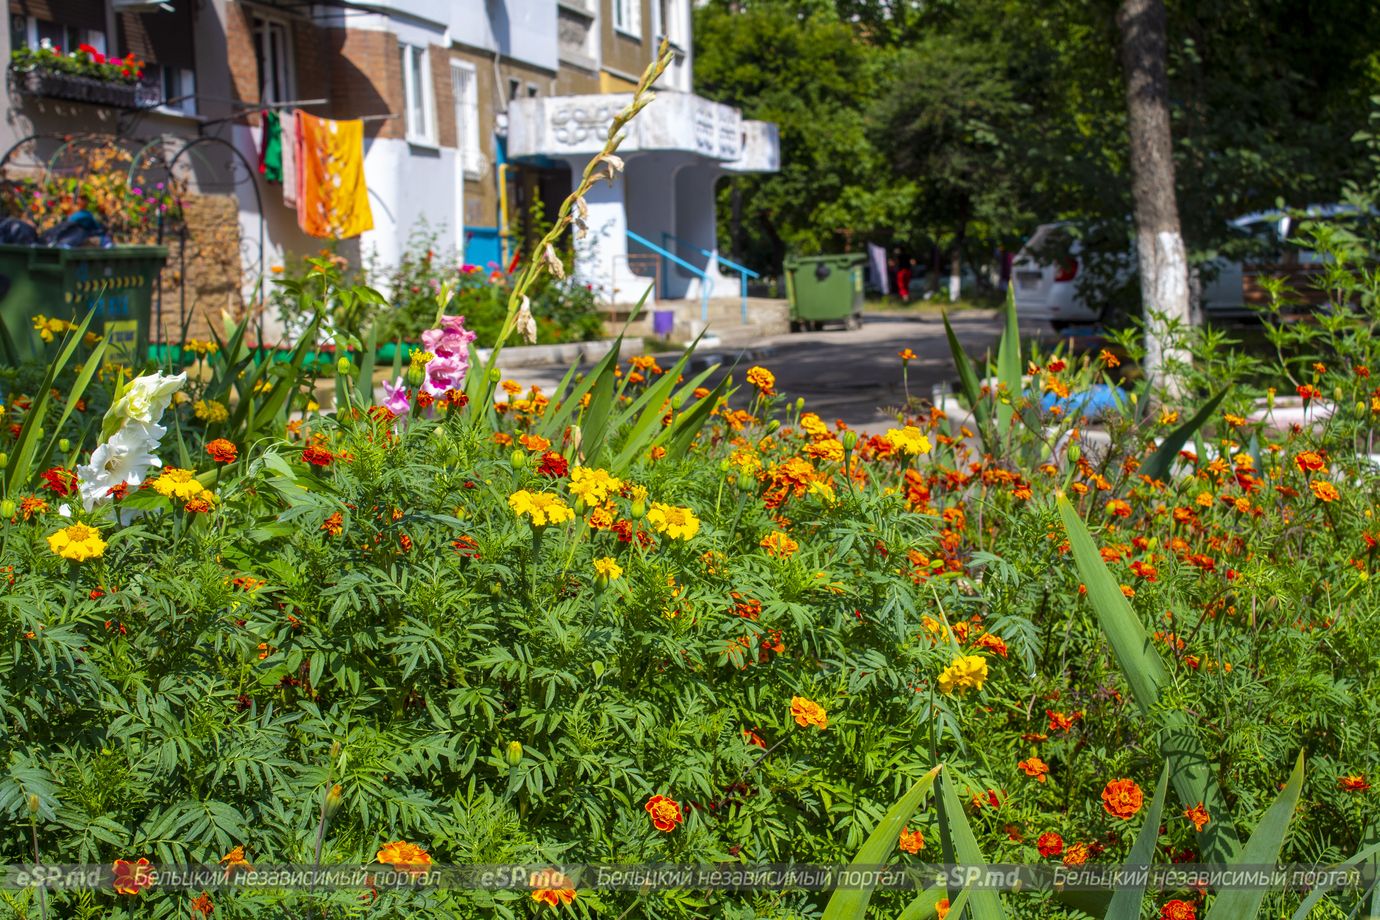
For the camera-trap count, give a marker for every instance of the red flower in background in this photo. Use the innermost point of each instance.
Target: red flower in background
(60, 480)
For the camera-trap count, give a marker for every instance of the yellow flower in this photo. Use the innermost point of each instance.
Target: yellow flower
(807, 712)
(542, 507)
(676, 523)
(908, 440)
(48, 328)
(966, 673)
(176, 483)
(77, 542)
(210, 411)
(824, 490)
(762, 379)
(608, 568)
(593, 485)
(779, 545)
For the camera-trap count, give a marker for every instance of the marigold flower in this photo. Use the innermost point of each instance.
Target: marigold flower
(1324, 491)
(1310, 461)
(534, 442)
(511, 387)
(1178, 910)
(1076, 854)
(553, 897)
(402, 855)
(210, 411)
(78, 543)
(334, 524)
(1050, 844)
(1122, 798)
(201, 904)
(1108, 359)
(1356, 782)
(905, 354)
(178, 483)
(541, 507)
(1198, 815)
(59, 480)
(664, 812)
(317, 456)
(31, 505)
(762, 379)
(553, 466)
(911, 841)
(967, 672)
(1119, 508)
(132, 877)
(235, 860)
(222, 451)
(807, 712)
(779, 545)
(676, 523)
(1035, 768)
(908, 440)
(200, 504)
(942, 909)
(608, 568)
(592, 485)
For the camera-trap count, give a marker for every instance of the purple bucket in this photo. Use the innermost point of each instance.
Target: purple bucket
(663, 321)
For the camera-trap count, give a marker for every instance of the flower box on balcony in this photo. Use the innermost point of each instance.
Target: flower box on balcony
(57, 85)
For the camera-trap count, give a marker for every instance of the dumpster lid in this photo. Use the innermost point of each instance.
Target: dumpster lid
(833, 260)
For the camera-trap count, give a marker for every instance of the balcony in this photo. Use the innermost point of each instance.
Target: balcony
(559, 126)
(53, 84)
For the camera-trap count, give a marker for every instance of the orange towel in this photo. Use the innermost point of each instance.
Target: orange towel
(334, 202)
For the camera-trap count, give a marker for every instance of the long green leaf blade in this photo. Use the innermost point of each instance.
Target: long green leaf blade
(1162, 460)
(1261, 850)
(1126, 901)
(985, 902)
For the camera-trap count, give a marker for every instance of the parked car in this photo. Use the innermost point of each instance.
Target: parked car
(1051, 272)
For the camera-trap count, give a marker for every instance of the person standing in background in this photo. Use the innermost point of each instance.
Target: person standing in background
(903, 280)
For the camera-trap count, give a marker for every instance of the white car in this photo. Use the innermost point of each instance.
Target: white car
(1050, 290)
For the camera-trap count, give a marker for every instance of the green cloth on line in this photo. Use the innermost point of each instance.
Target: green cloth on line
(271, 164)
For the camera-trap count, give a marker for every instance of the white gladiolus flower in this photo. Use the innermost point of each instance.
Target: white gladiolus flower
(126, 457)
(145, 399)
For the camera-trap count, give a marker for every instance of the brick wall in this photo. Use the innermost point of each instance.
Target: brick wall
(311, 55)
(366, 79)
(212, 270)
(239, 47)
(444, 94)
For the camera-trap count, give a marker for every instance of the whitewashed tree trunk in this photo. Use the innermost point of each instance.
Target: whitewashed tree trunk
(1164, 281)
(955, 276)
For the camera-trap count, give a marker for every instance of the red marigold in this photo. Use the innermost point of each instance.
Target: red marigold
(222, 451)
(317, 456)
(1198, 815)
(60, 480)
(334, 524)
(664, 812)
(1178, 910)
(553, 465)
(132, 877)
(1354, 783)
(1050, 844)
(1122, 798)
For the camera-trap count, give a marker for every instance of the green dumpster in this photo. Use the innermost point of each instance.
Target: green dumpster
(67, 283)
(825, 289)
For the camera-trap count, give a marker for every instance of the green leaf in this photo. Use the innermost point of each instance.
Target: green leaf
(986, 902)
(1162, 460)
(1261, 850)
(967, 377)
(851, 904)
(1009, 363)
(925, 905)
(1145, 673)
(1125, 904)
(1317, 894)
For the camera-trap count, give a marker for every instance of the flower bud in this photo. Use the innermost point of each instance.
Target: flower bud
(850, 441)
(335, 749)
(4, 460)
(416, 375)
(677, 402)
(6, 509)
(33, 803)
(1337, 394)
(799, 405)
(344, 366)
(495, 375)
(1360, 408)
(773, 425)
(64, 445)
(1075, 451)
(514, 753)
(333, 800)
(519, 459)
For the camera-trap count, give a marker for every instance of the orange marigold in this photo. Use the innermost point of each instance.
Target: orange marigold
(1076, 854)
(403, 855)
(911, 841)
(1324, 491)
(1050, 844)
(222, 451)
(664, 812)
(1035, 768)
(1354, 783)
(807, 712)
(1178, 910)
(1122, 798)
(1198, 815)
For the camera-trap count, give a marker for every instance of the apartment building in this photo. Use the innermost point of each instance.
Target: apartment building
(473, 111)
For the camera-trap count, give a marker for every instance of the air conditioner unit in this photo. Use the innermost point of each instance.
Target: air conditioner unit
(142, 6)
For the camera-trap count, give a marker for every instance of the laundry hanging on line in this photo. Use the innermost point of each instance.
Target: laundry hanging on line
(331, 197)
(271, 149)
(291, 142)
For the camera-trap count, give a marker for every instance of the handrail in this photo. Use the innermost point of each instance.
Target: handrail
(665, 235)
(700, 273)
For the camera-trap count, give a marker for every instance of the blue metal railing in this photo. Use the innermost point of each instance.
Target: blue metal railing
(743, 273)
(672, 257)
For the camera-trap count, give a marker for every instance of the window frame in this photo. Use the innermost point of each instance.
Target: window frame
(262, 27)
(627, 18)
(423, 135)
(467, 142)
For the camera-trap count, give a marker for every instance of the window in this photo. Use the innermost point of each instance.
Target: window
(533, 90)
(273, 51)
(627, 17)
(464, 86)
(177, 86)
(514, 88)
(39, 33)
(421, 107)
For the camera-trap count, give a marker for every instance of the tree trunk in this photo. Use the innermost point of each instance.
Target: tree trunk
(956, 265)
(1163, 259)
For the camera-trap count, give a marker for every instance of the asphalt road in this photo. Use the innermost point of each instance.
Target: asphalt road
(854, 375)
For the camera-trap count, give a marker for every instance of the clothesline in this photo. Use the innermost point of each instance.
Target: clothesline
(319, 163)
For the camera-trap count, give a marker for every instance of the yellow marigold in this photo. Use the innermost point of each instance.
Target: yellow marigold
(746, 460)
(542, 507)
(608, 568)
(814, 426)
(908, 440)
(779, 544)
(676, 523)
(210, 411)
(1324, 491)
(511, 387)
(77, 543)
(807, 712)
(762, 379)
(177, 483)
(967, 672)
(405, 856)
(593, 485)
(828, 448)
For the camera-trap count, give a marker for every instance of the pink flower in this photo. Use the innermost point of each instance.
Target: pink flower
(446, 372)
(395, 397)
(450, 343)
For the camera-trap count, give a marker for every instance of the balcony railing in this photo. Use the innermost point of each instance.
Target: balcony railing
(57, 85)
